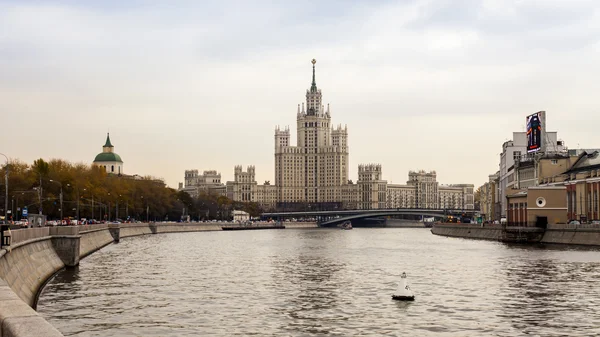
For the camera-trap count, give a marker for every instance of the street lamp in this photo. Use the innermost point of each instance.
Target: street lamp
(61, 198)
(117, 209)
(146, 208)
(6, 189)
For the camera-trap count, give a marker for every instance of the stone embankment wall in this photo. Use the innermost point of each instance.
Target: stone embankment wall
(468, 231)
(93, 238)
(588, 235)
(293, 225)
(134, 229)
(194, 227)
(35, 254)
(17, 319)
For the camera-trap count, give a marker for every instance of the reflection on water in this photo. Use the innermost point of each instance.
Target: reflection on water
(325, 282)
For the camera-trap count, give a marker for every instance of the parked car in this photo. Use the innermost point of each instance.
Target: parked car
(574, 222)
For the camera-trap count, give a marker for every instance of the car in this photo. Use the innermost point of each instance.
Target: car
(574, 222)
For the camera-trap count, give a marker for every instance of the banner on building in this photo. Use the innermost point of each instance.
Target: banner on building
(536, 130)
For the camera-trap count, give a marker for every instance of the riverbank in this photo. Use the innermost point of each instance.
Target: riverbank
(588, 235)
(36, 254)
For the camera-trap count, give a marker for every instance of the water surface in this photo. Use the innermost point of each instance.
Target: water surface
(317, 282)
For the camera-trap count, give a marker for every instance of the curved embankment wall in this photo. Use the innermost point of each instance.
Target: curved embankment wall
(28, 265)
(588, 235)
(38, 253)
(23, 271)
(94, 239)
(127, 230)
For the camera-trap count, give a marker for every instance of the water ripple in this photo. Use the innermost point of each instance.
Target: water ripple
(325, 282)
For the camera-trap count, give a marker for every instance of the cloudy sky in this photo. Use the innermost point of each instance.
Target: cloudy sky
(434, 85)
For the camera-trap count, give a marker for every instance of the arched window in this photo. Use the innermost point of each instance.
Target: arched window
(112, 168)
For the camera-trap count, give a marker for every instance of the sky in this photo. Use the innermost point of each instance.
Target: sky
(421, 84)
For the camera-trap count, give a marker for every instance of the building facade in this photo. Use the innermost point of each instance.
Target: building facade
(514, 151)
(371, 187)
(490, 207)
(207, 182)
(422, 190)
(582, 182)
(315, 170)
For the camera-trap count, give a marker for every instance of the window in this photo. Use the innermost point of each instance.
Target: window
(517, 155)
(554, 162)
(112, 168)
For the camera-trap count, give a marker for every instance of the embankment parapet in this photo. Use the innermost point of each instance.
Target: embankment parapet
(36, 254)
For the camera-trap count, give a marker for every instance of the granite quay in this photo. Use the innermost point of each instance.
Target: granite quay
(586, 235)
(36, 254)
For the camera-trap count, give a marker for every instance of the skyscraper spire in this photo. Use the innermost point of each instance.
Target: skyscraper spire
(313, 87)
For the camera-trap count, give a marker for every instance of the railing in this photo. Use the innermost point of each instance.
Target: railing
(573, 226)
(89, 228)
(20, 235)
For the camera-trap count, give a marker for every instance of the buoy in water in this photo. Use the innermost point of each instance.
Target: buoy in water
(403, 293)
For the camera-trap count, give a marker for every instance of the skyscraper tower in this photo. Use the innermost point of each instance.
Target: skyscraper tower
(315, 170)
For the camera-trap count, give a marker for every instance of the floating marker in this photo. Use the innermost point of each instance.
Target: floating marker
(403, 293)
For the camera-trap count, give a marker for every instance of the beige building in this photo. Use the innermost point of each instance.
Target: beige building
(582, 183)
(371, 187)
(489, 203)
(207, 182)
(422, 190)
(244, 188)
(537, 206)
(315, 170)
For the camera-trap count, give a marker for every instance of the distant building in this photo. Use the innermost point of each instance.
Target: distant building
(108, 159)
(422, 190)
(208, 182)
(489, 203)
(371, 187)
(240, 216)
(313, 174)
(245, 188)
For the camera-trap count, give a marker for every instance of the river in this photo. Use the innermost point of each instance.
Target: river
(317, 282)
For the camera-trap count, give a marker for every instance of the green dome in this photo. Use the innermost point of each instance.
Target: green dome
(108, 156)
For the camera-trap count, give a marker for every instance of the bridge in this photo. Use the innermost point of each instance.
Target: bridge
(331, 218)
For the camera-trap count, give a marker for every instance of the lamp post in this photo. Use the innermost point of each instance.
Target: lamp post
(5, 190)
(78, 203)
(61, 198)
(147, 216)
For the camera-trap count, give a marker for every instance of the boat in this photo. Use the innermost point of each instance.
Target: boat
(346, 225)
(403, 293)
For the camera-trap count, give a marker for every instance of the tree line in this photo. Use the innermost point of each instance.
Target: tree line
(89, 192)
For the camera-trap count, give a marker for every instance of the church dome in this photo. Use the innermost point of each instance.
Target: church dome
(107, 156)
